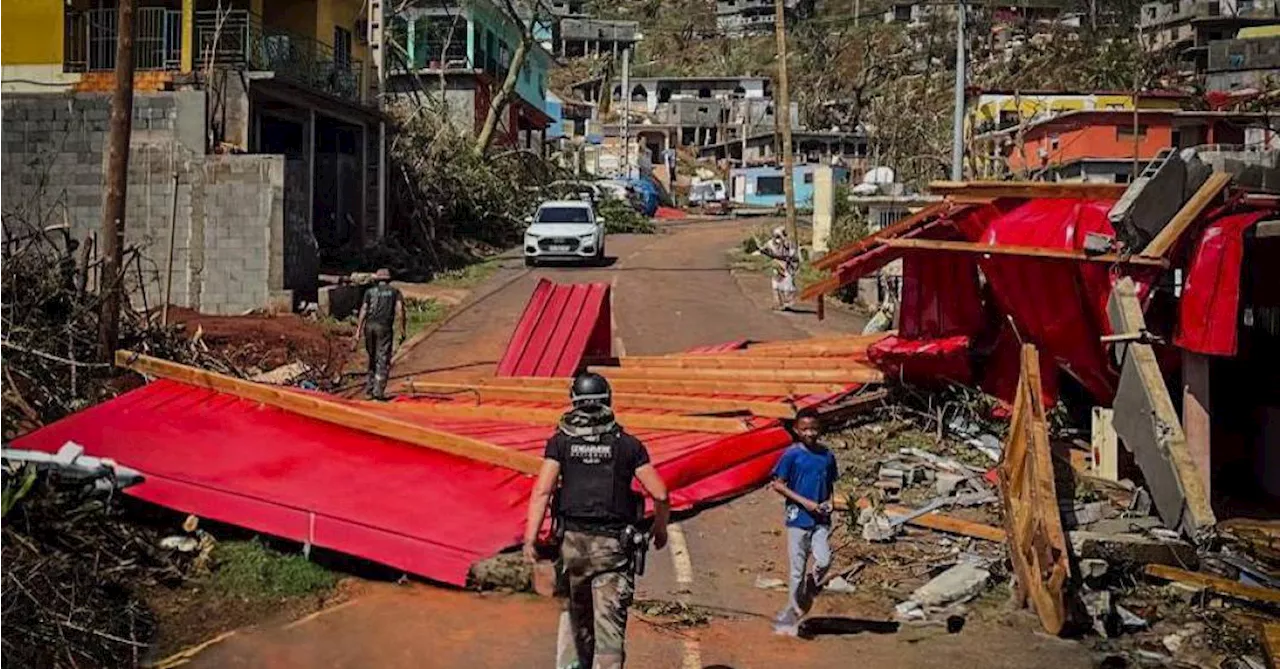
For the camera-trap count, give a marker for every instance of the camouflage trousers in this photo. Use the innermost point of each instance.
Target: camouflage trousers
(601, 586)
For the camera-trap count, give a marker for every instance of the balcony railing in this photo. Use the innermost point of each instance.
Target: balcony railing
(90, 43)
(238, 37)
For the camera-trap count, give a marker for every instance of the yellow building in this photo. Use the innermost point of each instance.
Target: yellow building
(71, 43)
(260, 108)
(998, 110)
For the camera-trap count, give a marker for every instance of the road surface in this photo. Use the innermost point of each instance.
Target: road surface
(672, 291)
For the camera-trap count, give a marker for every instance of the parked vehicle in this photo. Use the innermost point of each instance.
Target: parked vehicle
(623, 191)
(703, 193)
(564, 230)
(650, 195)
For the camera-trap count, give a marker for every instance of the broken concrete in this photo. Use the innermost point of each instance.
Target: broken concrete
(1130, 550)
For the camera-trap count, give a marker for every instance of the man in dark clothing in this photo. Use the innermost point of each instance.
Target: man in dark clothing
(595, 460)
(381, 308)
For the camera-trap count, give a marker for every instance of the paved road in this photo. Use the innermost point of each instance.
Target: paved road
(672, 291)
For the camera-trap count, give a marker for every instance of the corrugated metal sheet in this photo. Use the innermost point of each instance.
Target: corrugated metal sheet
(1208, 316)
(561, 325)
(413, 508)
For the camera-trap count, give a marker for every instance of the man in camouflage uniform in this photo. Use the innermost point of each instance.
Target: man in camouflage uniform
(594, 460)
(380, 309)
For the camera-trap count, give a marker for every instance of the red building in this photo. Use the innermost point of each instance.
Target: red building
(1099, 146)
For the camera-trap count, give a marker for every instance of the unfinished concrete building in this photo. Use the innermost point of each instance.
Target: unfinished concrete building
(1190, 26)
(736, 18)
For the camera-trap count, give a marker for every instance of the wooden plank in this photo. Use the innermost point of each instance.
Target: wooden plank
(798, 346)
(684, 403)
(1271, 643)
(1190, 212)
(1033, 522)
(552, 417)
(1219, 585)
(1021, 251)
(733, 362)
(934, 520)
(319, 407)
(847, 373)
(837, 257)
(1028, 189)
(1104, 449)
(695, 387)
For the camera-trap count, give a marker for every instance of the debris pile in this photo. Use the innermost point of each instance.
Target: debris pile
(74, 567)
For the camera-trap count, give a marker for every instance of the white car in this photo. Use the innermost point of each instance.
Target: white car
(564, 230)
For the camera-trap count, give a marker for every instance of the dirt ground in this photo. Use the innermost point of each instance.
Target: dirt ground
(672, 291)
(260, 342)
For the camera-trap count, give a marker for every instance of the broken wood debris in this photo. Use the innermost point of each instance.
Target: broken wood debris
(694, 386)
(1033, 523)
(635, 420)
(1216, 584)
(848, 373)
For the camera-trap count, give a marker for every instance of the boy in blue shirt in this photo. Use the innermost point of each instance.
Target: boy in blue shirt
(805, 476)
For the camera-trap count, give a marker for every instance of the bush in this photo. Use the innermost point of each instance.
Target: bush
(620, 218)
(251, 569)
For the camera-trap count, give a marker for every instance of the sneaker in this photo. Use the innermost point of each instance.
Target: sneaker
(787, 623)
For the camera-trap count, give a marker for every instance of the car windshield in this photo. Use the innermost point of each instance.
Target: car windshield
(564, 215)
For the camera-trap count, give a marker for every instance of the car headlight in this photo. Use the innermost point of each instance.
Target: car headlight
(589, 237)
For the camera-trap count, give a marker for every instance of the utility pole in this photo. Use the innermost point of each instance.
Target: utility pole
(113, 204)
(626, 112)
(857, 12)
(782, 118)
(957, 126)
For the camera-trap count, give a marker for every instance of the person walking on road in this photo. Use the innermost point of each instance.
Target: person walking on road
(786, 262)
(805, 477)
(596, 518)
(380, 310)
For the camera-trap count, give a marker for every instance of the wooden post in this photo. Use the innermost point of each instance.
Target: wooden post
(117, 183)
(1196, 412)
(782, 117)
(1104, 456)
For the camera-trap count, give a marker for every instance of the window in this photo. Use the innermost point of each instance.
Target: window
(1126, 132)
(1053, 142)
(808, 177)
(769, 186)
(341, 47)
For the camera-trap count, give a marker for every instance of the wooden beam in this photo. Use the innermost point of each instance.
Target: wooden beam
(552, 417)
(560, 396)
(933, 520)
(695, 387)
(319, 407)
(1271, 643)
(847, 373)
(1190, 212)
(1021, 251)
(1221, 586)
(796, 346)
(733, 362)
(837, 257)
(1028, 189)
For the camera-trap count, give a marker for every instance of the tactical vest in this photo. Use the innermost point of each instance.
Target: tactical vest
(595, 489)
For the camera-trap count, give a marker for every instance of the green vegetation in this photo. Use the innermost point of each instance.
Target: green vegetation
(468, 276)
(251, 569)
(620, 218)
(421, 314)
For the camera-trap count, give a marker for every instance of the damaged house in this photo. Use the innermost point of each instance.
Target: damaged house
(256, 145)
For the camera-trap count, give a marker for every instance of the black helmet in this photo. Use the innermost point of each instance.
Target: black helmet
(590, 388)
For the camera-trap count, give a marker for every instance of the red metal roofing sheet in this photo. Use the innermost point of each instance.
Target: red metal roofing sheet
(561, 325)
(410, 507)
(1208, 315)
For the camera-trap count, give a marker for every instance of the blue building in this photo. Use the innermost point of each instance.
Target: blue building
(763, 186)
(471, 42)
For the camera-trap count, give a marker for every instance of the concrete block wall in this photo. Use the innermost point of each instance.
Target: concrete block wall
(229, 233)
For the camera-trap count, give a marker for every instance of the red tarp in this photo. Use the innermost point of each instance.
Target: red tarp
(1058, 305)
(1209, 316)
(410, 507)
(561, 325)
